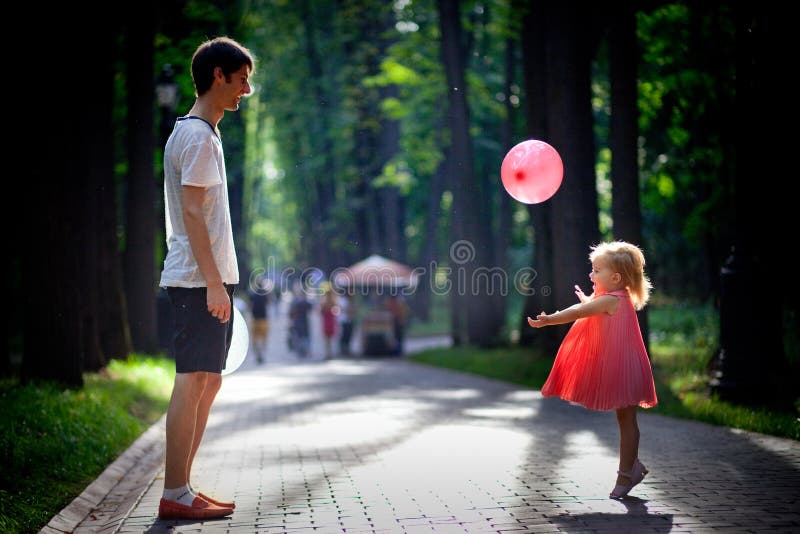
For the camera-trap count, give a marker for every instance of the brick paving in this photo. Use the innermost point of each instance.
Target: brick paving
(389, 446)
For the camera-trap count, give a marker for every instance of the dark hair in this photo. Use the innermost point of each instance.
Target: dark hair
(221, 52)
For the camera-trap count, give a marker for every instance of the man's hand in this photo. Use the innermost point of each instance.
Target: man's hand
(219, 303)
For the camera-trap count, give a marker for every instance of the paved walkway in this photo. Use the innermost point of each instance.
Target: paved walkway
(386, 445)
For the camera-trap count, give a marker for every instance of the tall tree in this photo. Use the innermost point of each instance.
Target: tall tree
(141, 215)
(750, 364)
(315, 29)
(234, 163)
(626, 211)
(502, 233)
(392, 202)
(62, 317)
(430, 252)
(534, 63)
(470, 250)
(571, 43)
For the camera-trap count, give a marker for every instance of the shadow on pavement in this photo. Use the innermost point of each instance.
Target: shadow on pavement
(298, 437)
(637, 519)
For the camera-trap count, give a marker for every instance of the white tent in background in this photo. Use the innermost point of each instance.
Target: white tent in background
(375, 271)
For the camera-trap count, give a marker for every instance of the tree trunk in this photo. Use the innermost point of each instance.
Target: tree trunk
(52, 348)
(392, 204)
(570, 125)
(140, 227)
(469, 250)
(626, 209)
(430, 252)
(323, 170)
(394, 216)
(232, 127)
(502, 238)
(534, 63)
(750, 365)
(96, 136)
(60, 264)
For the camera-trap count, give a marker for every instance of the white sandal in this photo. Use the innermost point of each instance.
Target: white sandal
(635, 475)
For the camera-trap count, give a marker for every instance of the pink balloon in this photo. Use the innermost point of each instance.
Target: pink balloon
(532, 171)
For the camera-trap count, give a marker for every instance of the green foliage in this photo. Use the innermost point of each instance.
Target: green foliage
(320, 122)
(322, 70)
(685, 335)
(603, 172)
(686, 109)
(54, 442)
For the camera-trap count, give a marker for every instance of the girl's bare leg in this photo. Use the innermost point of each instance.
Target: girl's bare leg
(628, 441)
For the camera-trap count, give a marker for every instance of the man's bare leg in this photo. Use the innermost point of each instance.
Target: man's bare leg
(181, 426)
(212, 385)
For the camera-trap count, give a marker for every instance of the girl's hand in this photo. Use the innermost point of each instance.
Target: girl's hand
(580, 294)
(540, 321)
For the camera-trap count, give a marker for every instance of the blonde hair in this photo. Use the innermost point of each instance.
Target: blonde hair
(627, 260)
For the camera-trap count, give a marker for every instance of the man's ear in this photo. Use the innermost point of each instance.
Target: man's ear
(218, 74)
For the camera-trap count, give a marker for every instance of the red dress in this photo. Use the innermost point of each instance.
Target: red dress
(602, 363)
(328, 320)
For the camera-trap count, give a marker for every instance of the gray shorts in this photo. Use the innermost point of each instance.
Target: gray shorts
(199, 342)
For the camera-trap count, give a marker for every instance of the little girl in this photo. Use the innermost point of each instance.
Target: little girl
(602, 363)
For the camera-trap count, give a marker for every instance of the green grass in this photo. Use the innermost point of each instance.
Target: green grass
(55, 442)
(522, 364)
(683, 338)
(438, 322)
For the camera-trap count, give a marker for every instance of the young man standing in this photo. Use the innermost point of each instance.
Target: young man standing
(200, 270)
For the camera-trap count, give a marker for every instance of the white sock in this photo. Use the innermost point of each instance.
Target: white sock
(182, 495)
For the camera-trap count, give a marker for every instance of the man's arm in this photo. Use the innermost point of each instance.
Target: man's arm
(219, 303)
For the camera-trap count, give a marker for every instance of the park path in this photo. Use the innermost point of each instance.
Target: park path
(387, 445)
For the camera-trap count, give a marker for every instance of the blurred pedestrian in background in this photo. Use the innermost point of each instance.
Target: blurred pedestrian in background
(347, 320)
(329, 310)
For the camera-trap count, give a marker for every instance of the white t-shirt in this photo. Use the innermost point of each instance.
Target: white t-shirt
(193, 156)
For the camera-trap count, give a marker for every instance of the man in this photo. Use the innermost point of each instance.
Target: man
(200, 270)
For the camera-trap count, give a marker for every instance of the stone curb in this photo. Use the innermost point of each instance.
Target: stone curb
(106, 502)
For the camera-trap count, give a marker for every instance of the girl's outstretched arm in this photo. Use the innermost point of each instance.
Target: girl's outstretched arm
(602, 304)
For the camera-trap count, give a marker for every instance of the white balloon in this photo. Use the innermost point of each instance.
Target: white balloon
(239, 344)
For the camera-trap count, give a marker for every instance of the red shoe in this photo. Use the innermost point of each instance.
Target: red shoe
(215, 502)
(199, 509)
